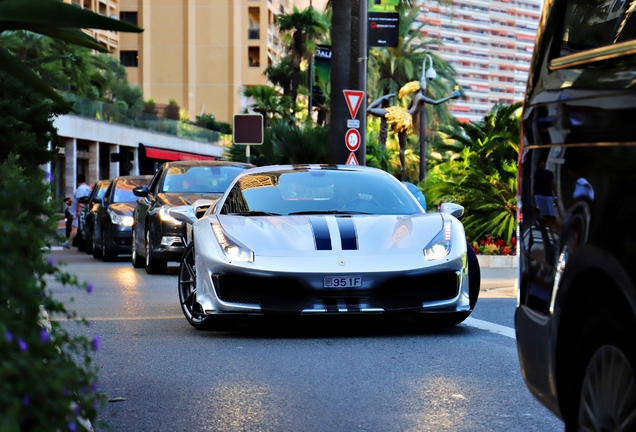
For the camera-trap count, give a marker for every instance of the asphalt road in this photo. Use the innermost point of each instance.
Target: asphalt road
(298, 375)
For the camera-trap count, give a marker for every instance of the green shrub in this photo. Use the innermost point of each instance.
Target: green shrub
(47, 378)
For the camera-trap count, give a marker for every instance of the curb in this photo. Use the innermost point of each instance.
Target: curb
(498, 261)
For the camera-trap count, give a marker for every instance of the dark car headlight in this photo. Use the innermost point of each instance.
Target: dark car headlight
(441, 245)
(232, 249)
(120, 219)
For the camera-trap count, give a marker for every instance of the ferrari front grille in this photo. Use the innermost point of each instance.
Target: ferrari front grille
(270, 293)
(409, 292)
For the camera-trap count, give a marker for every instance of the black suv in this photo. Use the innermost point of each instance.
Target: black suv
(87, 213)
(159, 238)
(576, 314)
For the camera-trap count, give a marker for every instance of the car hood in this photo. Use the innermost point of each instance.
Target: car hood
(125, 209)
(372, 234)
(179, 199)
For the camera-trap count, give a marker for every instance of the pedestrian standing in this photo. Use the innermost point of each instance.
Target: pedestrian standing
(82, 190)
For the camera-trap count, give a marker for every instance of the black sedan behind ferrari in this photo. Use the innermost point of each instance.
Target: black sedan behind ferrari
(157, 236)
(112, 230)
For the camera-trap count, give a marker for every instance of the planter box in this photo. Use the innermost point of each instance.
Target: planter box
(498, 261)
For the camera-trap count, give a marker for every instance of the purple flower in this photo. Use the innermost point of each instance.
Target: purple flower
(51, 262)
(8, 336)
(72, 426)
(23, 345)
(48, 176)
(6, 228)
(94, 387)
(95, 343)
(89, 288)
(65, 392)
(44, 336)
(77, 409)
(26, 401)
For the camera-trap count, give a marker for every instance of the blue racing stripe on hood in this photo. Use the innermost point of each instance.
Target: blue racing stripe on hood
(321, 232)
(348, 236)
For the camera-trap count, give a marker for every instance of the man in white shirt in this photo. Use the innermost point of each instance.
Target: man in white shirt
(82, 190)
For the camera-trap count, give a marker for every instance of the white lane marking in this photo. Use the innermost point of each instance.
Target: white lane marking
(491, 327)
(122, 318)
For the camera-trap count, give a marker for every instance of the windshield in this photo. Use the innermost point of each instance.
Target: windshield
(200, 179)
(319, 192)
(123, 189)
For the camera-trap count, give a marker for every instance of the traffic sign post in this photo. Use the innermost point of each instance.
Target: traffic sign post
(353, 138)
(247, 130)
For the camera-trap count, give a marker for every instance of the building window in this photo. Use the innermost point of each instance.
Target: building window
(253, 23)
(129, 17)
(128, 58)
(254, 56)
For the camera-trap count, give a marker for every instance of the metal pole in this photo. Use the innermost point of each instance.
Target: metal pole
(362, 85)
(247, 153)
(423, 143)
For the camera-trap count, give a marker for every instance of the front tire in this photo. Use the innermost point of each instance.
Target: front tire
(153, 265)
(603, 389)
(474, 276)
(107, 255)
(137, 261)
(188, 291)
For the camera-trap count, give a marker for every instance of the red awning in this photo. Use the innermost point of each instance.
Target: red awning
(172, 155)
(434, 22)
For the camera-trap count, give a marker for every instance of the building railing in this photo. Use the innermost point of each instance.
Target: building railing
(111, 113)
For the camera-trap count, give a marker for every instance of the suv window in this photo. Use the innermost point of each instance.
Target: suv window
(590, 24)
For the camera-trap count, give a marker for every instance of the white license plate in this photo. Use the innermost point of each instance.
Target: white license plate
(342, 281)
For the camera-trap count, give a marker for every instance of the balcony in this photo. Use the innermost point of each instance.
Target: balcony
(106, 112)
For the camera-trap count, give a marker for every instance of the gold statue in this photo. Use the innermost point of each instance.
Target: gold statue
(401, 119)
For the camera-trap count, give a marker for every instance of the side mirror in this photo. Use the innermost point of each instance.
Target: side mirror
(141, 191)
(452, 209)
(83, 200)
(183, 213)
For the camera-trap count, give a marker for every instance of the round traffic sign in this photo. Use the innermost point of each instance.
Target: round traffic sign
(352, 139)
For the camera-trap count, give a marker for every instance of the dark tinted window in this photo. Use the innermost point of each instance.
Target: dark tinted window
(590, 24)
(289, 192)
(129, 17)
(123, 190)
(128, 58)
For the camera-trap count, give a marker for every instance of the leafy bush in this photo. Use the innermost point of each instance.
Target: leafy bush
(47, 378)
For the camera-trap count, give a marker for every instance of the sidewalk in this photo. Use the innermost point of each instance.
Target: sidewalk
(498, 282)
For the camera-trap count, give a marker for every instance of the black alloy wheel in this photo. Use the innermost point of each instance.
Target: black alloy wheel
(153, 265)
(603, 383)
(137, 261)
(188, 291)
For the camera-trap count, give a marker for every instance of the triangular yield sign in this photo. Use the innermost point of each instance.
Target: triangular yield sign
(354, 99)
(351, 160)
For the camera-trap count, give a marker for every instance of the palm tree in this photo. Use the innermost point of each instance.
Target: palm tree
(484, 177)
(269, 102)
(391, 68)
(280, 74)
(302, 30)
(58, 20)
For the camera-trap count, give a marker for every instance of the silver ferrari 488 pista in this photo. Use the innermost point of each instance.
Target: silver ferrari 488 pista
(324, 240)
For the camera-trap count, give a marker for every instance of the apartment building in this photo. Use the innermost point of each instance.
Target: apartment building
(489, 43)
(201, 54)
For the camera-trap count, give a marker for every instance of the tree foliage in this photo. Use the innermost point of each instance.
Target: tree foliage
(484, 177)
(47, 377)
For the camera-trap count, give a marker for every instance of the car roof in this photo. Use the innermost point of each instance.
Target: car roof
(207, 163)
(305, 167)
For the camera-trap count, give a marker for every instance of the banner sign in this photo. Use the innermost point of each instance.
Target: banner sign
(383, 23)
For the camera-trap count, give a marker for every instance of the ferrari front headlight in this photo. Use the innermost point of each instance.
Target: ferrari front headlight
(440, 246)
(120, 219)
(232, 248)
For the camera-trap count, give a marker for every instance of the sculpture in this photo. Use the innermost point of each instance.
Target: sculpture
(400, 119)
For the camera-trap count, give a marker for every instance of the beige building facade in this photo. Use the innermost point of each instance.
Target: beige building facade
(200, 53)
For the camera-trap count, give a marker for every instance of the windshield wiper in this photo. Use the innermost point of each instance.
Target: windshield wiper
(344, 212)
(255, 213)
